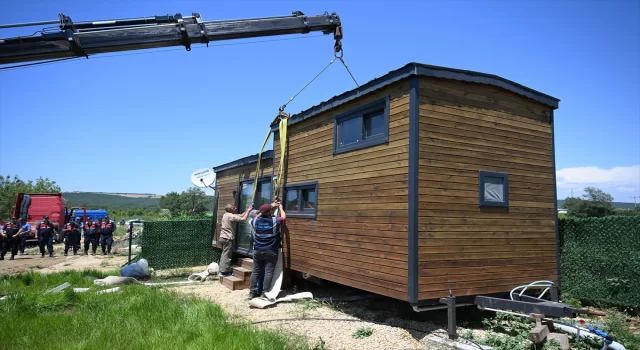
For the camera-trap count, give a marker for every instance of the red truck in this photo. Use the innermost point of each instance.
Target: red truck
(34, 206)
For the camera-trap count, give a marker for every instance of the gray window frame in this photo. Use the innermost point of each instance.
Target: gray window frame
(303, 214)
(481, 180)
(381, 104)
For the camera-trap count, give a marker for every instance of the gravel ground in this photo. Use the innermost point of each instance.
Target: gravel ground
(394, 327)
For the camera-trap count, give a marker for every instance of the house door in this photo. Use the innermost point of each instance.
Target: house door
(244, 237)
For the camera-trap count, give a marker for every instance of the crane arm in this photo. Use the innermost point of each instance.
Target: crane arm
(89, 38)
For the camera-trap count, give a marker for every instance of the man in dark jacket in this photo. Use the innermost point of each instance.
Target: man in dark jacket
(266, 244)
(90, 237)
(10, 238)
(46, 230)
(106, 235)
(72, 237)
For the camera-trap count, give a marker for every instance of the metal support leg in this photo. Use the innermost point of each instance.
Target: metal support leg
(451, 316)
(554, 293)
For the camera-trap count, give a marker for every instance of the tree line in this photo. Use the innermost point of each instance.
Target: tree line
(595, 203)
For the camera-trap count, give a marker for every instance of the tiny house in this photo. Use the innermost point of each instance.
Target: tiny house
(421, 181)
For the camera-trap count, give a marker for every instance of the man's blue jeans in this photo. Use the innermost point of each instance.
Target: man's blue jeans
(264, 262)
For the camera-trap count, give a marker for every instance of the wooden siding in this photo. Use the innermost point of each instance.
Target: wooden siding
(227, 181)
(465, 128)
(360, 235)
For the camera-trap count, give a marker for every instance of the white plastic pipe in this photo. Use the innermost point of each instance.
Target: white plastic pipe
(584, 333)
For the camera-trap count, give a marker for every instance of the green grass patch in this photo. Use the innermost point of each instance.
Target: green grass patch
(137, 317)
(362, 332)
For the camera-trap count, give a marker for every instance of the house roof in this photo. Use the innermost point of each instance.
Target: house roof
(243, 161)
(419, 69)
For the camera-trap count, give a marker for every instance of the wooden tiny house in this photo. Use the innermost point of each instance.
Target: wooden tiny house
(422, 180)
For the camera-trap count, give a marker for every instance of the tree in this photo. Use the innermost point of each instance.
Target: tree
(172, 202)
(10, 187)
(192, 202)
(594, 203)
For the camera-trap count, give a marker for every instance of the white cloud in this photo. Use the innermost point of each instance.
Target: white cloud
(623, 179)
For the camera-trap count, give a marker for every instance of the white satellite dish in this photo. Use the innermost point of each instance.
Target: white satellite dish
(203, 177)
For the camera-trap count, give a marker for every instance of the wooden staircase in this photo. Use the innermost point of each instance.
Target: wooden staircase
(241, 276)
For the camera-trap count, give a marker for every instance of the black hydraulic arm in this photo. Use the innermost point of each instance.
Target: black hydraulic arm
(89, 38)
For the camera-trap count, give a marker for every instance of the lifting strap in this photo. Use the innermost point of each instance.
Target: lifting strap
(284, 118)
(283, 147)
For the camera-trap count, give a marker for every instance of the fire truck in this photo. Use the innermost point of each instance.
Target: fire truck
(33, 206)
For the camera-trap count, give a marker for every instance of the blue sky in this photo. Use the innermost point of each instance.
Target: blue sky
(144, 122)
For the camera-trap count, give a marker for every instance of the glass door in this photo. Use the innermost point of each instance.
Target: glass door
(244, 237)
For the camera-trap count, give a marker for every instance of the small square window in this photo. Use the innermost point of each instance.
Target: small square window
(494, 189)
(301, 200)
(362, 127)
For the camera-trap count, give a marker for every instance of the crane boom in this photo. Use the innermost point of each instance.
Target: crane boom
(89, 38)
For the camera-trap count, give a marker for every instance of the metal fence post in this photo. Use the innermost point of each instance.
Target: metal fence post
(130, 239)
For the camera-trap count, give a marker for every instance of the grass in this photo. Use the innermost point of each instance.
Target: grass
(136, 318)
(362, 332)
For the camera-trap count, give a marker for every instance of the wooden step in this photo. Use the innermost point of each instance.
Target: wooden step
(233, 283)
(242, 273)
(246, 263)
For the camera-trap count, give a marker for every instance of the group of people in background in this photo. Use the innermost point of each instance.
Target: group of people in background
(14, 236)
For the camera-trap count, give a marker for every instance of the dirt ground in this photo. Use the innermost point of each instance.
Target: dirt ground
(394, 324)
(32, 261)
(333, 324)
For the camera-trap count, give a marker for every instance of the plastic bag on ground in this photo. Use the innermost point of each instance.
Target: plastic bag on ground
(137, 270)
(212, 269)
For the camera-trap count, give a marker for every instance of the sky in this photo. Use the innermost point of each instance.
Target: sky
(143, 121)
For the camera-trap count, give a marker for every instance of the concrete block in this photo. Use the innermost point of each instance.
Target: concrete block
(538, 334)
(561, 339)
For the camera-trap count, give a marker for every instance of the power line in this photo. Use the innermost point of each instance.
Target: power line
(61, 60)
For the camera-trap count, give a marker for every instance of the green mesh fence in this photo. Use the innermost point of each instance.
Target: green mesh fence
(176, 243)
(600, 259)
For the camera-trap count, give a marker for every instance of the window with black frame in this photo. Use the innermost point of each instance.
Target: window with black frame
(244, 235)
(301, 200)
(362, 127)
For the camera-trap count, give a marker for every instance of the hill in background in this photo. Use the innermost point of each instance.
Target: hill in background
(121, 201)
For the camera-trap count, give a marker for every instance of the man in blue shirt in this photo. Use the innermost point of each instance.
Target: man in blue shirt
(266, 243)
(24, 233)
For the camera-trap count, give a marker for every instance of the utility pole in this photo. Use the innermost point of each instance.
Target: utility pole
(634, 201)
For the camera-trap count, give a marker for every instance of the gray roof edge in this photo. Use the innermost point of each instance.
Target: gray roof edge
(243, 161)
(421, 70)
(489, 79)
